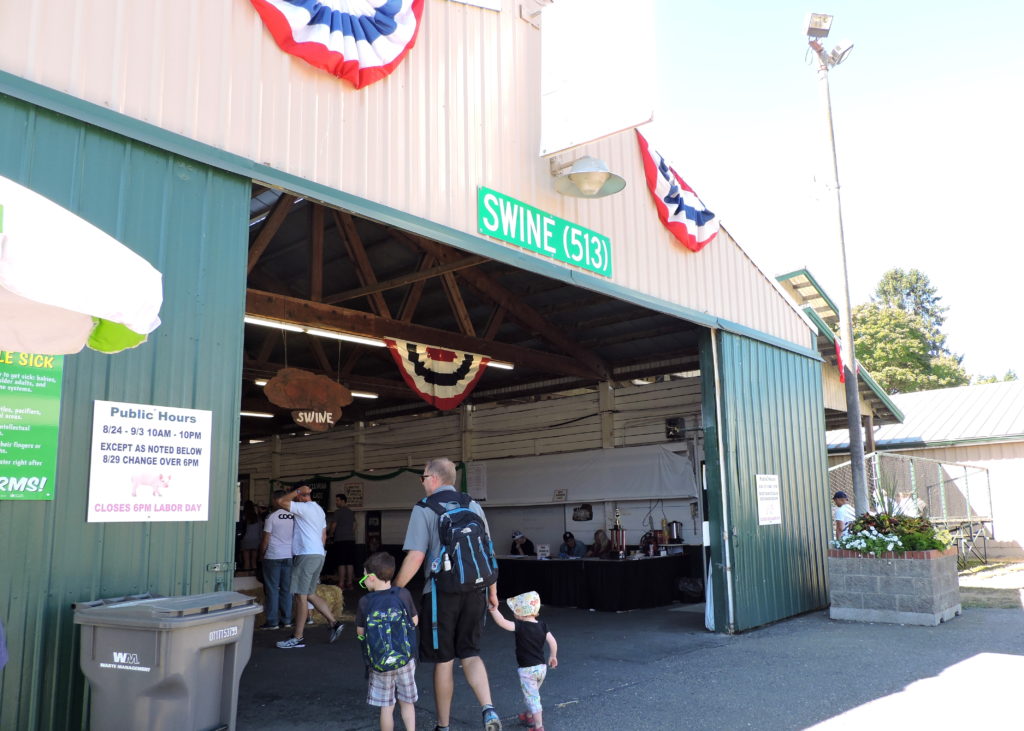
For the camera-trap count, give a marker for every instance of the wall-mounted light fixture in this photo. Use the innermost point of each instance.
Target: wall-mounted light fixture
(501, 364)
(257, 414)
(587, 177)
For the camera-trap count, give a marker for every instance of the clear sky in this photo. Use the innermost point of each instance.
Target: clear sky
(929, 117)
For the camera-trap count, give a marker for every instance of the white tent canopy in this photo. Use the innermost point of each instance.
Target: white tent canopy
(635, 473)
(65, 283)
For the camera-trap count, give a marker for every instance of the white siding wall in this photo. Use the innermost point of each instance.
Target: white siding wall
(461, 111)
(567, 424)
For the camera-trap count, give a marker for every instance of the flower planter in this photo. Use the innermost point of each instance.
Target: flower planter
(914, 587)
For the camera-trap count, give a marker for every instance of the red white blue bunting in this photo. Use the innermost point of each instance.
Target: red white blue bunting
(361, 41)
(679, 208)
(441, 377)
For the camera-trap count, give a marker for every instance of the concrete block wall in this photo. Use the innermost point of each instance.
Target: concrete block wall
(915, 587)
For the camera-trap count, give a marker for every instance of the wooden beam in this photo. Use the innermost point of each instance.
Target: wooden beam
(267, 346)
(350, 362)
(517, 309)
(317, 346)
(392, 389)
(417, 276)
(316, 254)
(357, 252)
(269, 228)
(451, 289)
(316, 314)
(415, 293)
(497, 317)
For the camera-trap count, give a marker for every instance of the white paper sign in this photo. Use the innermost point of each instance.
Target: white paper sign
(769, 505)
(149, 463)
(476, 480)
(353, 492)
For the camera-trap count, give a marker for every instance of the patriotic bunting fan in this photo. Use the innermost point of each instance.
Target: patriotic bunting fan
(441, 377)
(361, 41)
(679, 208)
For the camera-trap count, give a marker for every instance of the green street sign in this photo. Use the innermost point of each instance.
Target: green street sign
(505, 218)
(30, 387)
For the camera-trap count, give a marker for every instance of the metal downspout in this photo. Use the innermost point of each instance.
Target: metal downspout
(726, 533)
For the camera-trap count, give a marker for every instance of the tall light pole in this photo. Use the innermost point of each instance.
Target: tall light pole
(818, 26)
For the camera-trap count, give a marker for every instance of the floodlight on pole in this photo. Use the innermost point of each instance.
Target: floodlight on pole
(818, 26)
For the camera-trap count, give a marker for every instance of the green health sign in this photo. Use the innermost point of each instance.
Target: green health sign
(505, 218)
(30, 387)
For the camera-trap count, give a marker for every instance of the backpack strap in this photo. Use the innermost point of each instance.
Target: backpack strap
(435, 501)
(433, 610)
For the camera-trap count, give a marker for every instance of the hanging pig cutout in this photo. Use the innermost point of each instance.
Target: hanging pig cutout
(315, 401)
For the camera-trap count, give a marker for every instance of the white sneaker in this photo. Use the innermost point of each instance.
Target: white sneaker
(291, 643)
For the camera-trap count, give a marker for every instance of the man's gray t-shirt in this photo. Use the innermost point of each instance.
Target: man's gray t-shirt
(344, 525)
(422, 535)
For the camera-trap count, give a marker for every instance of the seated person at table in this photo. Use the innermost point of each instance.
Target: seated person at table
(521, 545)
(602, 547)
(570, 548)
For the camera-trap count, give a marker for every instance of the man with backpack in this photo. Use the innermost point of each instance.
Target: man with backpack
(449, 538)
(386, 627)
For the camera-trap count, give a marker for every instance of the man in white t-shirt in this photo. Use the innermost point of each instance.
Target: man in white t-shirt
(843, 514)
(308, 538)
(276, 558)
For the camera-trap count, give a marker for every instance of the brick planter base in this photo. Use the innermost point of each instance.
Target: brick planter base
(915, 587)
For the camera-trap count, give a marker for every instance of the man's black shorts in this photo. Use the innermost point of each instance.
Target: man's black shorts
(340, 553)
(460, 623)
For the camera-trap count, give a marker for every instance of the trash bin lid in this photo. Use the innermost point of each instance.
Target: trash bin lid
(166, 612)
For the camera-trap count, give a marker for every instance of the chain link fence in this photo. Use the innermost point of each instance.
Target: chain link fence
(947, 493)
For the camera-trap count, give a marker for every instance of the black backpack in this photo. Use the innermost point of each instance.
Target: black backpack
(466, 561)
(390, 636)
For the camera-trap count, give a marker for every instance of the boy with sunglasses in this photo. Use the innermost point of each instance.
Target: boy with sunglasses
(385, 625)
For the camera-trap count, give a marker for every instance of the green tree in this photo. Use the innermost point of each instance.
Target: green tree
(894, 345)
(912, 291)
(1010, 375)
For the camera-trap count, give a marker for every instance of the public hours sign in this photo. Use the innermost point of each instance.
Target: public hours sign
(149, 463)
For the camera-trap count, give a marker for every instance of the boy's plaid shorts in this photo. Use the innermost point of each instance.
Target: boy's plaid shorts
(383, 687)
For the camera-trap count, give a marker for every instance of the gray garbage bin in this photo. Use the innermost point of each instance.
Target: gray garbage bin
(163, 663)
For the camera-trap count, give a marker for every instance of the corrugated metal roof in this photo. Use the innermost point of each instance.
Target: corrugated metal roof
(980, 413)
(819, 307)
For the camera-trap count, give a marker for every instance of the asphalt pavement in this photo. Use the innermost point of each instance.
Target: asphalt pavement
(660, 669)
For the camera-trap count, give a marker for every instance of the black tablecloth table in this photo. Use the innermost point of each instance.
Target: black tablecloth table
(590, 583)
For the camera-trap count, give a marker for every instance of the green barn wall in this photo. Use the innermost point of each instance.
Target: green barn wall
(189, 220)
(772, 423)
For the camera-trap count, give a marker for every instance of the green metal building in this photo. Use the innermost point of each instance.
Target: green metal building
(170, 194)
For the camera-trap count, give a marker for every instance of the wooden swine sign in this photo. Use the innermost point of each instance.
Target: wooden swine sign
(315, 401)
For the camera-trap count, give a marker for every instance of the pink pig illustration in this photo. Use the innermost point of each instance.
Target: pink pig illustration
(154, 481)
